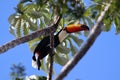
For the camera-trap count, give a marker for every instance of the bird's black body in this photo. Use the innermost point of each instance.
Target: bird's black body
(43, 48)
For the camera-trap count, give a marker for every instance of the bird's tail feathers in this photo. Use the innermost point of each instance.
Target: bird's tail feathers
(34, 64)
(35, 61)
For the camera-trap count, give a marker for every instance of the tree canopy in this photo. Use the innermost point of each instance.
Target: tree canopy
(33, 15)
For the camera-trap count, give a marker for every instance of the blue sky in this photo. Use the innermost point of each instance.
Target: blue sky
(100, 63)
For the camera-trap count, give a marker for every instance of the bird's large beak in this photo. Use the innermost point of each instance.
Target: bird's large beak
(76, 27)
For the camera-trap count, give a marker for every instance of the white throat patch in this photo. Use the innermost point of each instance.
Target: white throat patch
(62, 35)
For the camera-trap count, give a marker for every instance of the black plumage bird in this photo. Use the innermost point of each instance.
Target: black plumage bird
(43, 48)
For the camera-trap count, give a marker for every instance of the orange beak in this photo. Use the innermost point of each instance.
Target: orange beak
(76, 27)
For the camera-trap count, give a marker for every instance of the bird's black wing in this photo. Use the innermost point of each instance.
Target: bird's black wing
(42, 44)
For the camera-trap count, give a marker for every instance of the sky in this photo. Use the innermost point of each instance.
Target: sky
(100, 63)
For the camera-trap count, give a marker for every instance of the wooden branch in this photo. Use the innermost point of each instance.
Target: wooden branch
(51, 56)
(29, 37)
(91, 39)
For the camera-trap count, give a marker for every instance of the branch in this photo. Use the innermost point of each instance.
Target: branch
(29, 37)
(95, 32)
(51, 53)
(51, 56)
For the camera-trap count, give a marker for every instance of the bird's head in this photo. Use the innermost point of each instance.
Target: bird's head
(76, 27)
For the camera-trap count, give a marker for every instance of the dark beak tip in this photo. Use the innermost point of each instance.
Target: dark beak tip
(87, 28)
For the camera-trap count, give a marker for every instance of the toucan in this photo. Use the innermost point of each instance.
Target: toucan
(43, 47)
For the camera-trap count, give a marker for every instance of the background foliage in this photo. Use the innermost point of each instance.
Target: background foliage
(17, 72)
